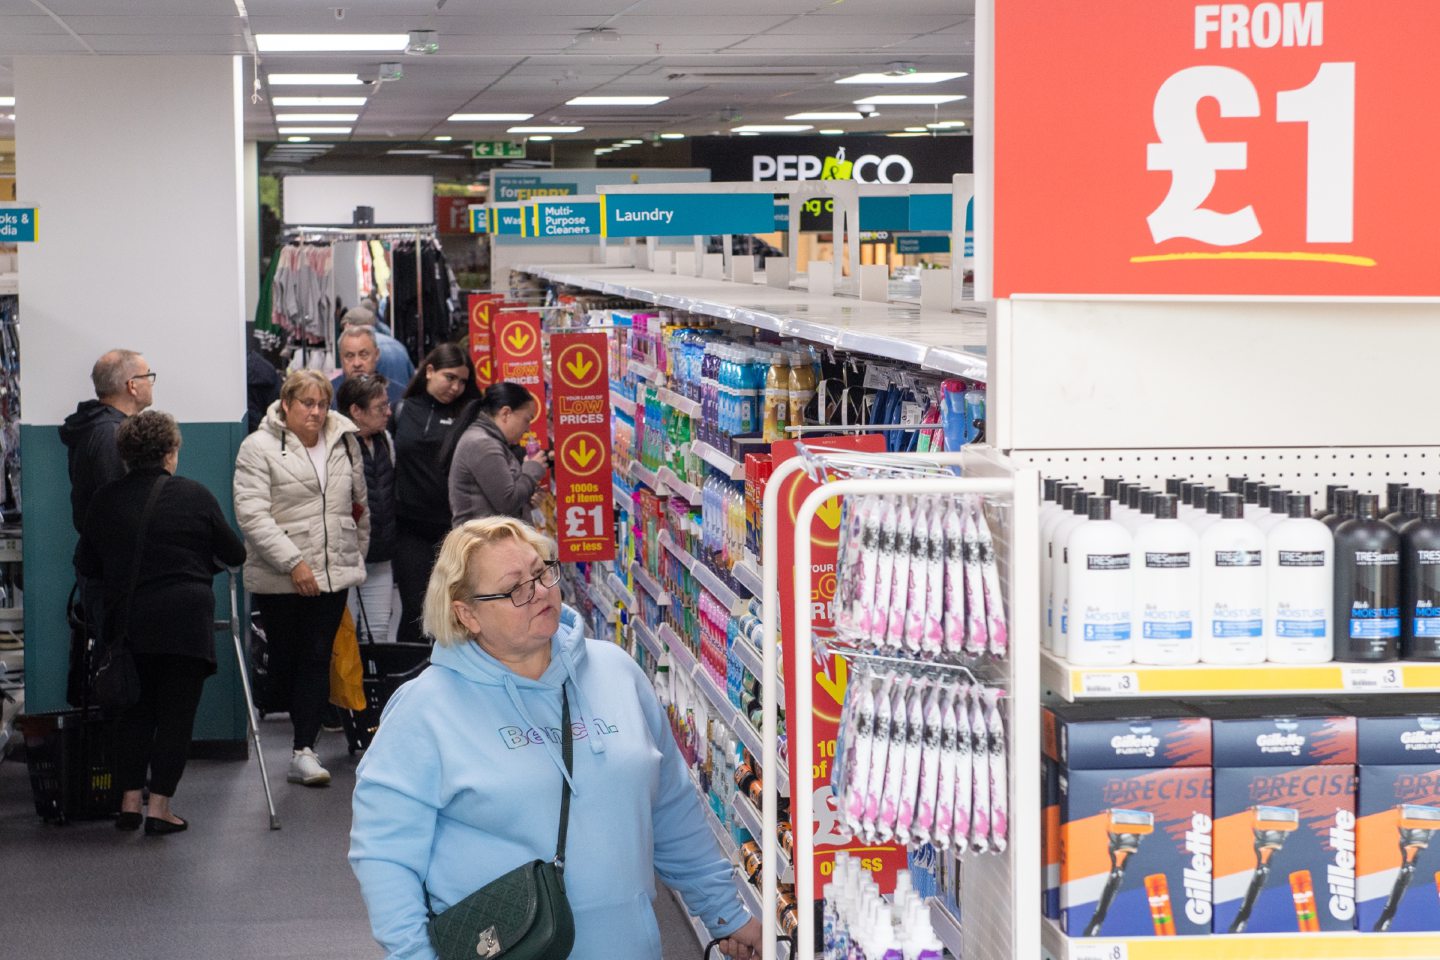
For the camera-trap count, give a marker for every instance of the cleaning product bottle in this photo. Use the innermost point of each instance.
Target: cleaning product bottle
(1102, 591)
(1232, 587)
(1420, 583)
(1060, 570)
(1300, 568)
(1367, 585)
(1166, 558)
(777, 398)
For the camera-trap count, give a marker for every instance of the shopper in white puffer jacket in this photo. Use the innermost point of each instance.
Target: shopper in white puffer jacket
(300, 502)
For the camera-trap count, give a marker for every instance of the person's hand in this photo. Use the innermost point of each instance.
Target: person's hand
(304, 579)
(743, 944)
(539, 456)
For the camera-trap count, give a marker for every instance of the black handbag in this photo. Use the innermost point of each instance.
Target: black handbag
(115, 682)
(522, 915)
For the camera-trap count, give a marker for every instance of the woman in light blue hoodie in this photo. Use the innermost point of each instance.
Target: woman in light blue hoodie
(462, 782)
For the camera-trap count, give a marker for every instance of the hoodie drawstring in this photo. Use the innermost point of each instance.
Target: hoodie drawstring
(597, 745)
(530, 723)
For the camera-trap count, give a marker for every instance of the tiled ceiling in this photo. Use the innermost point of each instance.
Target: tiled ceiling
(758, 61)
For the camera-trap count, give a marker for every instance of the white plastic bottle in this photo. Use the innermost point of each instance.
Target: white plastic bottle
(1166, 555)
(1064, 502)
(1060, 572)
(1277, 512)
(1300, 571)
(1200, 521)
(1232, 587)
(1102, 590)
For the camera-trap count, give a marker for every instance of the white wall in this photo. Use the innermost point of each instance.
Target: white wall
(317, 200)
(135, 164)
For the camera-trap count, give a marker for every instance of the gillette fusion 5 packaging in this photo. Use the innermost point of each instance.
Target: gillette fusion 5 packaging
(1398, 836)
(1135, 818)
(1284, 817)
(1050, 835)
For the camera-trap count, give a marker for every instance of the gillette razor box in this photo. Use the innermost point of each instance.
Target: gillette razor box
(1398, 834)
(1284, 817)
(1050, 836)
(1135, 818)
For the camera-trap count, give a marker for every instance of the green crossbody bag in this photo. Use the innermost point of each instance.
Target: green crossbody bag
(522, 915)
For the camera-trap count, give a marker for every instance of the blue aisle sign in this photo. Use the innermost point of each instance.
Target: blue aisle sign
(909, 245)
(509, 188)
(506, 221)
(685, 214)
(479, 220)
(782, 216)
(932, 211)
(17, 225)
(884, 213)
(560, 219)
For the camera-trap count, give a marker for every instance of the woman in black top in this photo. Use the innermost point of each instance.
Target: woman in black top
(365, 401)
(171, 613)
(444, 383)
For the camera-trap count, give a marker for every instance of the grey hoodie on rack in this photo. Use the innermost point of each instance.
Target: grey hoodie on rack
(485, 478)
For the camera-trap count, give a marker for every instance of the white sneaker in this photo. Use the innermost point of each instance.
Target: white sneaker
(305, 768)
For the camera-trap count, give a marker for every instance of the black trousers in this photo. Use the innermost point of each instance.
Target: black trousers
(155, 733)
(301, 633)
(414, 557)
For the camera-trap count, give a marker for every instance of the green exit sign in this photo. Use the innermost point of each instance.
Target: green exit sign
(497, 150)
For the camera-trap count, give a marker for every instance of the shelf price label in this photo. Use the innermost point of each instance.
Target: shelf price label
(1124, 683)
(1363, 678)
(584, 490)
(1099, 950)
(1254, 148)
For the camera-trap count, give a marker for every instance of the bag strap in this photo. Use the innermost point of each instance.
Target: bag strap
(567, 741)
(145, 516)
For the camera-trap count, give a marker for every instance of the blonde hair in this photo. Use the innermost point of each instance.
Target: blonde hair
(450, 579)
(300, 380)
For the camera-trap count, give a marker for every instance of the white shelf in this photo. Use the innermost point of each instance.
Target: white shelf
(947, 927)
(644, 371)
(747, 572)
(624, 404)
(623, 502)
(640, 474)
(947, 342)
(1243, 946)
(622, 593)
(680, 402)
(647, 639)
(669, 478)
(729, 466)
(748, 656)
(599, 599)
(707, 577)
(748, 893)
(749, 818)
(1261, 679)
(648, 584)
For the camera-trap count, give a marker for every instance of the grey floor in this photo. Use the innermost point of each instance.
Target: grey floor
(227, 888)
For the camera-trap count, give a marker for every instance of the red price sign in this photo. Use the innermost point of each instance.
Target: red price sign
(1228, 149)
(518, 356)
(827, 692)
(584, 490)
(483, 308)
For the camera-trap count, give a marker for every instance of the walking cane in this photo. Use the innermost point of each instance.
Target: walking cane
(243, 662)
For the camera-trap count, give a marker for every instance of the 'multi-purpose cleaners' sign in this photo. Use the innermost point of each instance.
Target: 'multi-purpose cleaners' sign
(562, 219)
(686, 214)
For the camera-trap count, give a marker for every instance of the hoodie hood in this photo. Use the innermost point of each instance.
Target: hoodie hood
(87, 414)
(567, 656)
(486, 423)
(336, 426)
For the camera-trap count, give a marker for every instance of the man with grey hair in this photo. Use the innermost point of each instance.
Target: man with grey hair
(359, 349)
(394, 363)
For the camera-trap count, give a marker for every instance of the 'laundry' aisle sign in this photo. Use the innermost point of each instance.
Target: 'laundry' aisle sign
(686, 214)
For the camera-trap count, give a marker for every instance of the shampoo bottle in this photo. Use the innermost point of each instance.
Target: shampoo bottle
(1409, 508)
(1300, 568)
(1367, 586)
(1232, 587)
(1279, 510)
(1420, 583)
(1167, 588)
(1060, 571)
(1065, 500)
(1101, 590)
(1344, 510)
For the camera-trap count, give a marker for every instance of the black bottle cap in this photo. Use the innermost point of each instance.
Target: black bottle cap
(1262, 495)
(1147, 502)
(1185, 490)
(1330, 489)
(1367, 506)
(1173, 484)
(1410, 501)
(1232, 506)
(1198, 495)
(1212, 501)
(1392, 496)
(1430, 506)
(1050, 484)
(1345, 503)
(1236, 484)
(1067, 496)
(1250, 489)
(1100, 508)
(1111, 485)
(1082, 502)
(1132, 496)
(1298, 505)
(1165, 506)
(1278, 500)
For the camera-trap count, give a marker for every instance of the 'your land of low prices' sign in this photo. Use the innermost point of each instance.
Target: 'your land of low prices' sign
(584, 491)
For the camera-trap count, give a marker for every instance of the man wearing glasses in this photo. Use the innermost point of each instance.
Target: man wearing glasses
(124, 385)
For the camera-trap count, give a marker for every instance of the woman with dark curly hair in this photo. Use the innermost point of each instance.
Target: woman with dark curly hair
(168, 619)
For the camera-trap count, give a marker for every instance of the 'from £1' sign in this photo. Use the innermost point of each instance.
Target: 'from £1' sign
(1236, 148)
(584, 490)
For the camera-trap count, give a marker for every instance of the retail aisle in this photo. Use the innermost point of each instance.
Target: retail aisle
(228, 887)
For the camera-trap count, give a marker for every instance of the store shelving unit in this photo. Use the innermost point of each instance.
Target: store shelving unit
(727, 845)
(684, 404)
(1244, 946)
(624, 404)
(731, 468)
(749, 818)
(647, 639)
(622, 593)
(645, 582)
(747, 573)
(671, 481)
(641, 474)
(701, 572)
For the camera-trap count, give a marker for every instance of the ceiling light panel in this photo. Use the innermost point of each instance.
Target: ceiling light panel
(615, 101)
(316, 117)
(836, 115)
(870, 78)
(772, 128)
(544, 129)
(672, 136)
(337, 131)
(911, 99)
(7, 101)
(314, 79)
(330, 42)
(489, 117)
(318, 101)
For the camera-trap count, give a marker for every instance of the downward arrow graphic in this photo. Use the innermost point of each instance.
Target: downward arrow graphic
(836, 687)
(829, 513)
(519, 340)
(582, 454)
(580, 368)
(485, 368)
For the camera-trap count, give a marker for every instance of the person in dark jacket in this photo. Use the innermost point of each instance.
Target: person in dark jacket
(485, 478)
(168, 620)
(262, 387)
(423, 423)
(365, 400)
(124, 385)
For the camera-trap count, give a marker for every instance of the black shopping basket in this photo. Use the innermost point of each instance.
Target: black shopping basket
(386, 667)
(71, 758)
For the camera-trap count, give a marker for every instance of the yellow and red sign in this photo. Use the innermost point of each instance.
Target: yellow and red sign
(828, 683)
(584, 490)
(1259, 148)
(483, 308)
(518, 356)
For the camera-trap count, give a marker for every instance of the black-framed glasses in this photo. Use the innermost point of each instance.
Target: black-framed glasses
(524, 591)
(143, 376)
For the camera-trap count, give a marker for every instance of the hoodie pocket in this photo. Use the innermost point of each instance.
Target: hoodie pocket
(618, 930)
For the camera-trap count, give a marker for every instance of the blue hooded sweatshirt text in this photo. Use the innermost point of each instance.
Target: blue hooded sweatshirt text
(462, 784)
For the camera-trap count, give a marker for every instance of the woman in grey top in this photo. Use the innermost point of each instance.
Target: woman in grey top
(487, 479)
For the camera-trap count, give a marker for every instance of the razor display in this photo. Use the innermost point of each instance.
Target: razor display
(1272, 826)
(1126, 829)
(1417, 825)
